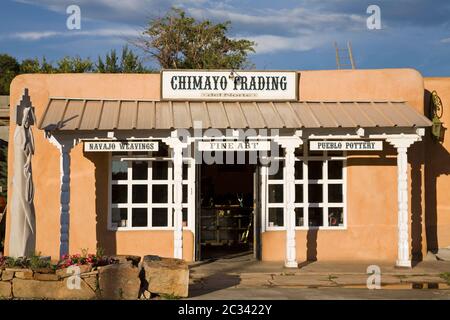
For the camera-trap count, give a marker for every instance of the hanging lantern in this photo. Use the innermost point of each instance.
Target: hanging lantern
(437, 109)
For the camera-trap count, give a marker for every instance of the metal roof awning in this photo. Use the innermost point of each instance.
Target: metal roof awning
(79, 114)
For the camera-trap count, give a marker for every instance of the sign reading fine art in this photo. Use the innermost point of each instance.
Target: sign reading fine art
(346, 145)
(228, 85)
(120, 146)
(233, 145)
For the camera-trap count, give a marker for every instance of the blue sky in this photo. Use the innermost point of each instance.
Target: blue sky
(291, 34)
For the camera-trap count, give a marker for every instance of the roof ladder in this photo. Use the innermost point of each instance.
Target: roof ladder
(344, 57)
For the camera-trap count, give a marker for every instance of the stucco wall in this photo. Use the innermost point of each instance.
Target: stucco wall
(438, 172)
(372, 207)
(88, 203)
(372, 180)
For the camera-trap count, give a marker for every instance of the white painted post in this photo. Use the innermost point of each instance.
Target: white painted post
(289, 144)
(177, 148)
(177, 196)
(402, 145)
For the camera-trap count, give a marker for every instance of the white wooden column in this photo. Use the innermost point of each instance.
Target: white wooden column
(402, 145)
(177, 196)
(290, 144)
(177, 148)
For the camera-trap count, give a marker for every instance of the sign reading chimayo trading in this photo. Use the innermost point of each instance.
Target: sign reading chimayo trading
(233, 145)
(346, 145)
(120, 146)
(227, 85)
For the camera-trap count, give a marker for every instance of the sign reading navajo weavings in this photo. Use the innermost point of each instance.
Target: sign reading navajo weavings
(120, 146)
(228, 85)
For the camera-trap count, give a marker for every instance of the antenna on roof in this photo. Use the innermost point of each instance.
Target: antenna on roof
(344, 57)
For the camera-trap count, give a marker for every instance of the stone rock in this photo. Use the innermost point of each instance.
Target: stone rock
(44, 270)
(152, 258)
(145, 295)
(58, 290)
(7, 275)
(443, 254)
(46, 277)
(124, 258)
(24, 274)
(119, 281)
(15, 269)
(67, 272)
(5, 289)
(166, 276)
(430, 256)
(89, 274)
(92, 282)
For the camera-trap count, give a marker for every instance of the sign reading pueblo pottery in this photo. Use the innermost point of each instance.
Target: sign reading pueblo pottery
(229, 85)
(346, 145)
(120, 146)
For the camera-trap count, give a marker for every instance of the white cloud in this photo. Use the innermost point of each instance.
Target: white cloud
(102, 32)
(272, 44)
(446, 40)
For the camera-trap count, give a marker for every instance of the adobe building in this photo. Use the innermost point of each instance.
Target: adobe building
(292, 166)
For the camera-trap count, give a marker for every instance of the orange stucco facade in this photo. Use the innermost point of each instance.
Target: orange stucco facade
(371, 232)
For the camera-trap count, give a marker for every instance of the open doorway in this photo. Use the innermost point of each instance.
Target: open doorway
(226, 211)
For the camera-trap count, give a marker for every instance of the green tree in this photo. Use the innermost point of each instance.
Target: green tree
(36, 66)
(74, 65)
(30, 66)
(129, 62)
(180, 42)
(9, 68)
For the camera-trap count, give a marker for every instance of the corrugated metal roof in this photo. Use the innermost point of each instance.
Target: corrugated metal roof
(79, 114)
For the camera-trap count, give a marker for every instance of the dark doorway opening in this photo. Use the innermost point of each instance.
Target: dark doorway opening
(226, 211)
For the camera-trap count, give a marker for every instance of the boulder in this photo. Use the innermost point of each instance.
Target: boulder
(125, 258)
(119, 281)
(5, 289)
(92, 282)
(66, 272)
(24, 274)
(58, 290)
(44, 270)
(166, 276)
(443, 254)
(7, 275)
(46, 277)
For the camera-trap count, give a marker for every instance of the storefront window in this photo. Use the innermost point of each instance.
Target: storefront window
(142, 192)
(319, 191)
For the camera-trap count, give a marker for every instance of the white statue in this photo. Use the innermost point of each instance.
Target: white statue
(23, 225)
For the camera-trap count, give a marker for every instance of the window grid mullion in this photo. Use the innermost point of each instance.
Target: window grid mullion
(129, 194)
(325, 191)
(149, 194)
(305, 188)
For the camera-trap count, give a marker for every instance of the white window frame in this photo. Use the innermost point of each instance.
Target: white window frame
(190, 205)
(305, 181)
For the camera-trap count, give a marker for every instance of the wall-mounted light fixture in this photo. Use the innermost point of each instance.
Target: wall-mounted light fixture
(437, 109)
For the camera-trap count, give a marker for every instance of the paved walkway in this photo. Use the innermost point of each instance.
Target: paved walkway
(243, 272)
